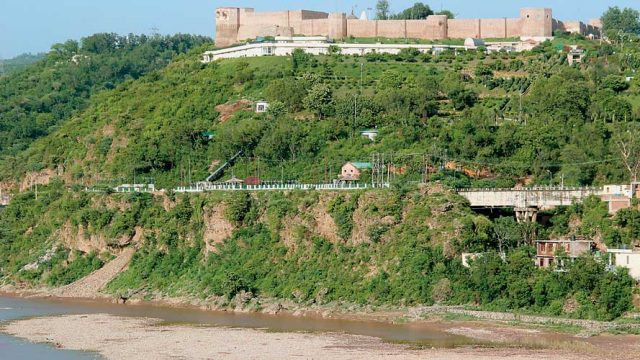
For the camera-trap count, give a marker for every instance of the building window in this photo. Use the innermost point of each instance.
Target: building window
(627, 259)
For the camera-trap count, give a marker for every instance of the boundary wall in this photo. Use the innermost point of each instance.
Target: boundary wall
(235, 25)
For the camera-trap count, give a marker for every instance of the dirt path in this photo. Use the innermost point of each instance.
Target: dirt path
(134, 338)
(90, 285)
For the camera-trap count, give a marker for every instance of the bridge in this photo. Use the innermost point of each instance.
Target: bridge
(527, 201)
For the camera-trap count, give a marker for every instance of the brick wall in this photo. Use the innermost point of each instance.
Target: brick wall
(536, 22)
(463, 28)
(391, 28)
(361, 28)
(239, 24)
(514, 27)
(493, 28)
(434, 27)
(313, 27)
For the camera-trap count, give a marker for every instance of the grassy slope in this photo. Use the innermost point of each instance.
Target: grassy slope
(152, 126)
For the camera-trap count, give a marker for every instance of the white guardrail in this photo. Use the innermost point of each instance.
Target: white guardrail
(273, 187)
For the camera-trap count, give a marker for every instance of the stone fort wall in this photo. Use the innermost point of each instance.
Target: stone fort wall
(234, 25)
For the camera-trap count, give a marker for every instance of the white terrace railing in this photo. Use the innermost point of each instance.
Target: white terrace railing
(202, 187)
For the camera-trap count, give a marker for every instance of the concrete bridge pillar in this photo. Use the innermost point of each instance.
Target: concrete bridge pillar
(526, 214)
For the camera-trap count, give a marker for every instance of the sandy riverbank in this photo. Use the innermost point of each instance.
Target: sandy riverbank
(138, 338)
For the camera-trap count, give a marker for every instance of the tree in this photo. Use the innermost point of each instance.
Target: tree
(615, 82)
(506, 233)
(319, 100)
(628, 144)
(417, 12)
(463, 98)
(626, 20)
(382, 10)
(448, 13)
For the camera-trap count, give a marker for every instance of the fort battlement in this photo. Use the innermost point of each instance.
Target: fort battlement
(234, 25)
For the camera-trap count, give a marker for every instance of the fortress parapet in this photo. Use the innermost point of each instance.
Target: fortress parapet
(235, 25)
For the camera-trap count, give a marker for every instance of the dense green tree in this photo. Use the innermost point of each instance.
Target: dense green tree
(615, 82)
(319, 100)
(447, 13)
(463, 98)
(382, 10)
(418, 11)
(626, 20)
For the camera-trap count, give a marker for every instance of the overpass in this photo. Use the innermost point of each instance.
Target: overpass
(527, 201)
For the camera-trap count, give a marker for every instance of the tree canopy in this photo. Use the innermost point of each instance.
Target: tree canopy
(626, 20)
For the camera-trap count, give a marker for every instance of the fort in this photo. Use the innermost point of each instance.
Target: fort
(235, 25)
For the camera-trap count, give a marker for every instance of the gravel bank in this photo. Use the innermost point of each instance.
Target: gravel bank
(139, 338)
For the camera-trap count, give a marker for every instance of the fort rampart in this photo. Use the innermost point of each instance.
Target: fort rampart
(235, 25)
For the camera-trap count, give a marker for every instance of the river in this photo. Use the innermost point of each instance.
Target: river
(15, 308)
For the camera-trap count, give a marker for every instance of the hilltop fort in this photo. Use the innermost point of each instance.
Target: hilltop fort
(234, 25)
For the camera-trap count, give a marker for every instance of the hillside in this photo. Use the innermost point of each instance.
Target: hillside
(37, 99)
(20, 62)
(462, 109)
(152, 112)
(240, 250)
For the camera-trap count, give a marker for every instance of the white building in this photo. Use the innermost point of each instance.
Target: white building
(473, 43)
(627, 259)
(316, 48)
(262, 106)
(371, 134)
(284, 46)
(302, 39)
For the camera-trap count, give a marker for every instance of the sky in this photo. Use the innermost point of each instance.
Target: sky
(34, 25)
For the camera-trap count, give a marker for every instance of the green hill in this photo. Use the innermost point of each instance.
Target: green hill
(9, 66)
(152, 112)
(463, 109)
(36, 100)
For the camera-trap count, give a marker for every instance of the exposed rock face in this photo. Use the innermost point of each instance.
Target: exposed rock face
(42, 177)
(217, 228)
(324, 224)
(76, 238)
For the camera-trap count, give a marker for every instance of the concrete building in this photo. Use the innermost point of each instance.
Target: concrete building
(262, 106)
(619, 197)
(352, 171)
(629, 259)
(315, 48)
(370, 134)
(575, 55)
(474, 43)
(235, 25)
(547, 250)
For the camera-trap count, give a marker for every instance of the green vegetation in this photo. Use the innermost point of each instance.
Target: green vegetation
(463, 108)
(275, 252)
(20, 62)
(122, 109)
(36, 100)
(418, 11)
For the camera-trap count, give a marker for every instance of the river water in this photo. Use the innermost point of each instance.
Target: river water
(15, 308)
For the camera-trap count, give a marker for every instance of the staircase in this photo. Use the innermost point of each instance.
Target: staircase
(217, 174)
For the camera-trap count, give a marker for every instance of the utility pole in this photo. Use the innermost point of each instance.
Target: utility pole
(520, 111)
(361, 75)
(355, 112)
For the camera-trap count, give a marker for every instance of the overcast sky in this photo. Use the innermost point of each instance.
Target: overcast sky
(34, 25)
